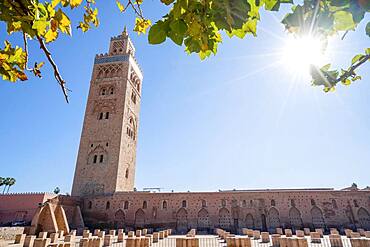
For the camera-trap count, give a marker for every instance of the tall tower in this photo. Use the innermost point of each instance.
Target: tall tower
(107, 153)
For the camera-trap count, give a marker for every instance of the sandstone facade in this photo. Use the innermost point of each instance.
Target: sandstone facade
(232, 210)
(107, 153)
(21, 206)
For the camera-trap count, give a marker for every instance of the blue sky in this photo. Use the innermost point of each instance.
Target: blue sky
(237, 120)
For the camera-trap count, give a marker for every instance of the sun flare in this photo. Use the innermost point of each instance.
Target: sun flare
(299, 53)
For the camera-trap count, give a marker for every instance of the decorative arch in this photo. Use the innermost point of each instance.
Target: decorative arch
(317, 217)
(119, 72)
(44, 220)
(295, 218)
(182, 220)
(100, 73)
(131, 128)
(164, 204)
(274, 218)
(249, 221)
(203, 218)
(119, 219)
(224, 218)
(97, 156)
(363, 218)
(139, 218)
(126, 204)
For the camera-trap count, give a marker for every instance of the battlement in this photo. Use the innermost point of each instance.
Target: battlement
(27, 193)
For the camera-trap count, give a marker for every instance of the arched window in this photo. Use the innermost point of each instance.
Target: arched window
(244, 203)
(89, 206)
(273, 203)
(111, 90)
(133, 97)
(125, 205)
(251, 203)
(106, 115)
(204, 203)
(95, 159)
(223, 203)
(164, 204)
(313, 203)
(334, 203)
(107, 206)
(103, 91)
(126, 175)
(184, 204)
(145, 204)
(138, 86)
(100, 116)
(355, 203)
(292, 203)
(101, 158)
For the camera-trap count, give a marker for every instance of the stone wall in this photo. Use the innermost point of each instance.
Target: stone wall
(232, 210)
(8, 233)
(20, 206)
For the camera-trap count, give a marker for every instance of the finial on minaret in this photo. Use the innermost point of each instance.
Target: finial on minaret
(124, 30)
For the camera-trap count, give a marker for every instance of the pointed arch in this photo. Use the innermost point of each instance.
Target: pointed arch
(274, 218)
(249, 221)
(203, 218)
(295, 218)
(224, 218)
(119, 219)
(94, 157)
(182, 220)
(119, 72)
(100, 74)
(139, 218)
(317, 217)
(112, 73)
(106, 73)
(363, 218)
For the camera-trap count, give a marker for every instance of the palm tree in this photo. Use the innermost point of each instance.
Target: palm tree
(6, 183)
(11, 183)
(2, 181)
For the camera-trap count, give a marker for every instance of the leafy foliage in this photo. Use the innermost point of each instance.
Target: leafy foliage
(195, 24)
(56, 190)
(7, 182)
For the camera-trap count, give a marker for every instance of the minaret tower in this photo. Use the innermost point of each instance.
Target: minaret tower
(107, 154)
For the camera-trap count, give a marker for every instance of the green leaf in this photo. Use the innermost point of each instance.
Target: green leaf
(40, 26)
(272, 5)
(325, 67)
(356, 78)
(356, 58)
(343, 21)
(346, 82)
(179, 27)
(157, 34)
(176, 37)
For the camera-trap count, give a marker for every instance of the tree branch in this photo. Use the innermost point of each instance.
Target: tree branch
(57, 75)
(352, 69)
(26, 51)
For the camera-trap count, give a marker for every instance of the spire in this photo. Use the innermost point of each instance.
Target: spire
(124, 31)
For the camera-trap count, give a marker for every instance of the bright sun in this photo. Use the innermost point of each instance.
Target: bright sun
(299, 53)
